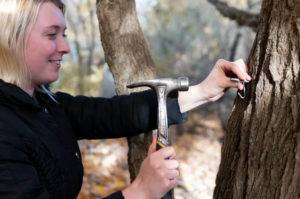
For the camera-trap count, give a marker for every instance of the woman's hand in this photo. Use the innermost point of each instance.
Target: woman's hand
(218, 81)
(157, 175)
(215, 85)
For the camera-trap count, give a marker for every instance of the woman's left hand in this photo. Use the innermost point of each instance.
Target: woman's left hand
(215, 85)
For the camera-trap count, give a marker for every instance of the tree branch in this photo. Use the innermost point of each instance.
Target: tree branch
(241, 17)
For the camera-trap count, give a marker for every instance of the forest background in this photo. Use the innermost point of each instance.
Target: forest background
(185, 38)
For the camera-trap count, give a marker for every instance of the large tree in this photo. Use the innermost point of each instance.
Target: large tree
(129, 60)
(261, 149)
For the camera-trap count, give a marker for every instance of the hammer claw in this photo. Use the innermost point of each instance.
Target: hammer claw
(163, 87)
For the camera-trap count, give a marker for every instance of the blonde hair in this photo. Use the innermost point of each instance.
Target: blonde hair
(17, 18)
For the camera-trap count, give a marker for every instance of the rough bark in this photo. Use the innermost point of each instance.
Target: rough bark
(241, 17)
(261, 150)
(129, 60)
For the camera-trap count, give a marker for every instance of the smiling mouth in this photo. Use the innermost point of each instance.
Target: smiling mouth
(56, 62)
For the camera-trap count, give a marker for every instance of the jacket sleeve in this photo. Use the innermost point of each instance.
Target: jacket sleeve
(117, 195)
(18, 178)
(119, 116)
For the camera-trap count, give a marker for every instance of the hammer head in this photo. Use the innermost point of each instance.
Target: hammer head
(180, 84)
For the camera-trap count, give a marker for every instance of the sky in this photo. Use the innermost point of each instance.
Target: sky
(142, 6)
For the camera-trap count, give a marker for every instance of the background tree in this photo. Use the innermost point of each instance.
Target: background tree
(82, 72)
(129, 60)
(260, 153)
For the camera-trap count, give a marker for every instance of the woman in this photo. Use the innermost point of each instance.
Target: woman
(39, 154)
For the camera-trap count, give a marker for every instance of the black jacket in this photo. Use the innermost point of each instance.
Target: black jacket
(39, 154)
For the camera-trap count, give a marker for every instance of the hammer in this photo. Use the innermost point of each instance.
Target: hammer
(162, 88)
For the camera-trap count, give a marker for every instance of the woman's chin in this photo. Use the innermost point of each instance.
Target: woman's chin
(51, 79)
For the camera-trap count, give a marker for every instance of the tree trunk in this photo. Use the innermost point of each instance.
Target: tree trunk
(261, 150)
(129, 60)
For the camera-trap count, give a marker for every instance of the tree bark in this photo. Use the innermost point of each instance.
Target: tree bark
(261, 150)
(129, 60)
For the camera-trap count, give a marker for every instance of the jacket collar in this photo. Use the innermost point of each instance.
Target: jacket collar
(12, 95)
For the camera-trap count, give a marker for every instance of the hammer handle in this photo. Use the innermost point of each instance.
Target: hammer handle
(169, 194)
(159, 145)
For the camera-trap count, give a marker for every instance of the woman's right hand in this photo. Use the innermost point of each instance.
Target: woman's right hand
(157, 175)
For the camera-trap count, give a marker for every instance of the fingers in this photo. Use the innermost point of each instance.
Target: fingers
(173, 174)
(239, 68)
(170, 178)
(233, 84)
(169, 174)
(170, 184)
(152, 147)
(231, 69)
(168, 152)
(173, 183)
(159, 158)
(173, 156)
(241, 64)
(171, 164)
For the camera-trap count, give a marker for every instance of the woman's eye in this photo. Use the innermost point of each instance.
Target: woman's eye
(65, 35)
(52, 36)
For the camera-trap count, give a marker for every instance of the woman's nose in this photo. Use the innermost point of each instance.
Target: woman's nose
(63, 46)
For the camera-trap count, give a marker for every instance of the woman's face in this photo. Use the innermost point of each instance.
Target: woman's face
(46, 45)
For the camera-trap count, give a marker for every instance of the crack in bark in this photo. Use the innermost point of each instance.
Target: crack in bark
(296, 31)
